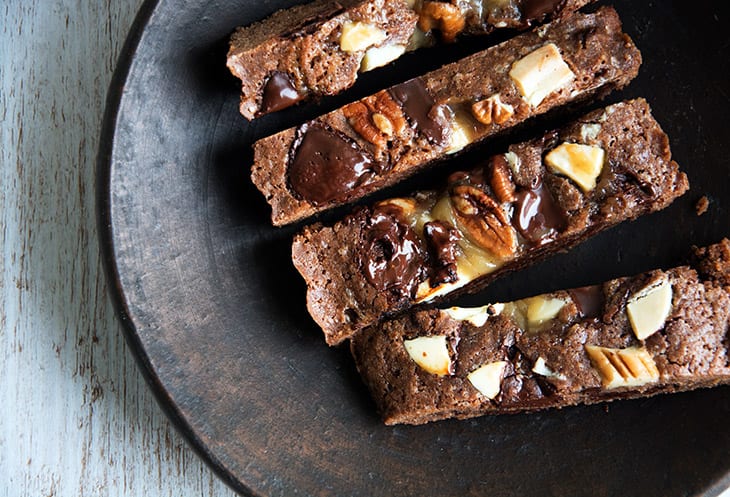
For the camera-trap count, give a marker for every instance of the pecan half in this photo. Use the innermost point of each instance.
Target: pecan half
(501, 181)
(358, 115)
(400, 207)
(445, 17)
(492, 110)
(376, 118)
(486, 223)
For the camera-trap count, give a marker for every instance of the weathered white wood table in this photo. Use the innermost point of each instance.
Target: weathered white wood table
(76, 417)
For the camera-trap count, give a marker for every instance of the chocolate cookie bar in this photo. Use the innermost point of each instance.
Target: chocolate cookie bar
(320, 48)
(379, 140)
(659, 332)
(542, 196)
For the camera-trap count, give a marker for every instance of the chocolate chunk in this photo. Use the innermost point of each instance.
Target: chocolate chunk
(589, 300)
(421, 110)
(441, 239)
(391, 256)
(537, 216)
(536, 10)
(327, 166)
(279, 93)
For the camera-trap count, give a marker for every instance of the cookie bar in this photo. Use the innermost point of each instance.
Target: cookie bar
(379, 140)
(542, 196)
(659, 332)
(320, 48)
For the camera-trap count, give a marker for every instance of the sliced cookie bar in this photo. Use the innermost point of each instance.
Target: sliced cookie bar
(540, 197)
(383, 138)
(320, 48)
(662, 331)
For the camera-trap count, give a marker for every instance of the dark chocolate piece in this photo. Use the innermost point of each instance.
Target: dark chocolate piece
(589, 300)
(536, 10)
(327, 166)
(421, 110)
(537, 216)
(441, 239)
(499, 365)
(279, 93)
(391, 254)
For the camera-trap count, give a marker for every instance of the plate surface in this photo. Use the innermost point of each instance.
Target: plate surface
(215, 311)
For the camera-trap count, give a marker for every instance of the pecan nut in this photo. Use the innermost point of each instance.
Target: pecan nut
(485, 222)
(376, 118)
(447, 18)
(501, 181)
(492, 110)
(358, 115)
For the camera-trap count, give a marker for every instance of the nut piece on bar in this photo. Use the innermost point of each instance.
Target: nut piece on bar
(501, 216)
(587, 352)
(320, 48)
(381, 139)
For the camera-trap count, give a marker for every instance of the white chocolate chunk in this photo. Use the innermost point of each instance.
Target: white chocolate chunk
(540, 73)
(357, 36)
(488, 378)
(424, 292)
(589, 131)
(541, 309)
(431, 353)
(459, 138)
(475, 315)
(649, 308)
(630, 367)
(540, 367)
(514, 162)
(380, 56)
(581, 163)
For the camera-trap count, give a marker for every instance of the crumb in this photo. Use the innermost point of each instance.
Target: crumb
(702, 204)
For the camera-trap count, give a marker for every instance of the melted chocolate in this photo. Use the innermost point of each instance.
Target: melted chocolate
(326, 166)
(536, 10)
(537, 217)
(391, 256)
(421, 110)
(441, 239)
(589, 300)
(279, 93)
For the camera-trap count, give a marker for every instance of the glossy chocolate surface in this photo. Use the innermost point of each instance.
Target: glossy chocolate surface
(442, 241)
(326, 166)
(391, 256)
(279, 93)
(421, 110)
(537, 217)
(535, 10)
(589, 300)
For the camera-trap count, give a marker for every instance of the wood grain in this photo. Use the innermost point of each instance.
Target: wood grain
(76, 416)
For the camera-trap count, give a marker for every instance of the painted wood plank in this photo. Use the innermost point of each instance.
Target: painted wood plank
(76, 417)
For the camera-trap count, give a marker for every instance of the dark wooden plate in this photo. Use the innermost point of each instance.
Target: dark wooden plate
(215, 313)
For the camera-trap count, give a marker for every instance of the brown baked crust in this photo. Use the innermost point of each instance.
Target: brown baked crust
(690, 350)
(602, 57)
(638, 177)
(303, 41)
